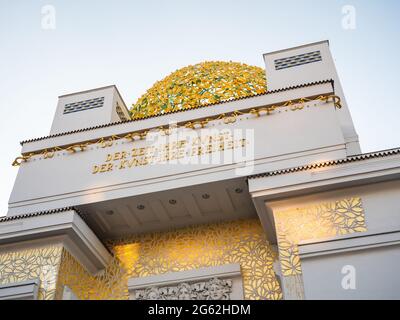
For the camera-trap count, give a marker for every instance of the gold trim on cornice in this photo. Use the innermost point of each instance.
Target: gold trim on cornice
(228, 118)
(181, 110)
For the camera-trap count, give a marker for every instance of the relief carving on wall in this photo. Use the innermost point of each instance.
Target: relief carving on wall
(213, 289)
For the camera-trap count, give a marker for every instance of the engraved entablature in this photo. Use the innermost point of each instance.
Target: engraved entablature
(222, 282)
(213, 289)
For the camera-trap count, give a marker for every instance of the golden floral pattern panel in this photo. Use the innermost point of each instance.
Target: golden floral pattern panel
(243, 242)
(201, 84)
(30, 264)
(110, 284)
(315, 222)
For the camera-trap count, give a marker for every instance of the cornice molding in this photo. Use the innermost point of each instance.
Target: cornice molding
(361, 157)
(65, 224)
(179, 111)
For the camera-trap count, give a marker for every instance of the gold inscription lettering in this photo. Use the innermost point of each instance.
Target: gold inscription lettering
(172, 151)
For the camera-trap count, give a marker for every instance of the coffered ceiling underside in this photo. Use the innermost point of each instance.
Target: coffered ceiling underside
(171, 209)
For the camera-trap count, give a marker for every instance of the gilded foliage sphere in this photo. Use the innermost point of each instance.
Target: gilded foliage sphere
(198, 85)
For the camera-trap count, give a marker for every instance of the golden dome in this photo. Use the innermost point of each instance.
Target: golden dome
(201, 84)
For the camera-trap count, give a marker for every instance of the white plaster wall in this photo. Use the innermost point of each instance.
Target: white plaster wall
(179, 117)
(281, 140)
(376, 274)
(382, 206)
(86, 118)
(375, 254)
(380, 202)
(306, 73)
(312, 72)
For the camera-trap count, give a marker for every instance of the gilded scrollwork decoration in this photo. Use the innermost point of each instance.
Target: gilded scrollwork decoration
(227, 118)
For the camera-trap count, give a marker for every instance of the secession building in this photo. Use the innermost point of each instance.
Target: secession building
(224, 181)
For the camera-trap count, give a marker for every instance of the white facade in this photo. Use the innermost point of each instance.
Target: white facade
(300, 150)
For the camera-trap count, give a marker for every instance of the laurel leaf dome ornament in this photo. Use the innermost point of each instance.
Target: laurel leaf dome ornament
(201, 84)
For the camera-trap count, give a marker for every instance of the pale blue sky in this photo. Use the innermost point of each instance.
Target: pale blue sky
(132, 44)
